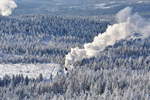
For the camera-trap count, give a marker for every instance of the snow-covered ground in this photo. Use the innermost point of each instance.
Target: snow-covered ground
(105, 6)
(30, 70)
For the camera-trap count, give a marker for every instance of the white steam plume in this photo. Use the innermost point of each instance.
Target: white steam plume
(128, 24)
(6, 7)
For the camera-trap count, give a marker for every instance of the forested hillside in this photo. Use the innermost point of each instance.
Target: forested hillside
(120, 72)
(45, 39)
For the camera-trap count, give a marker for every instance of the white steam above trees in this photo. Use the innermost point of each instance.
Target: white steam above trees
(128, 24)
(6, 7)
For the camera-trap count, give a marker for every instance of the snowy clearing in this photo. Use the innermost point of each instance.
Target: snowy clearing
(30, 70)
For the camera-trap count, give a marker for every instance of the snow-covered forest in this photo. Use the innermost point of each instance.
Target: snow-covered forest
(45, 39)
(121, 71)
(50, 57)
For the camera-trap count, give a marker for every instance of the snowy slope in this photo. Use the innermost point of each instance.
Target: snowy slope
(76, 7)
(30, 70)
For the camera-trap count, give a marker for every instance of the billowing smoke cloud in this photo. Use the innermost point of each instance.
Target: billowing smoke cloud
(128, 24)
(6, 7)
